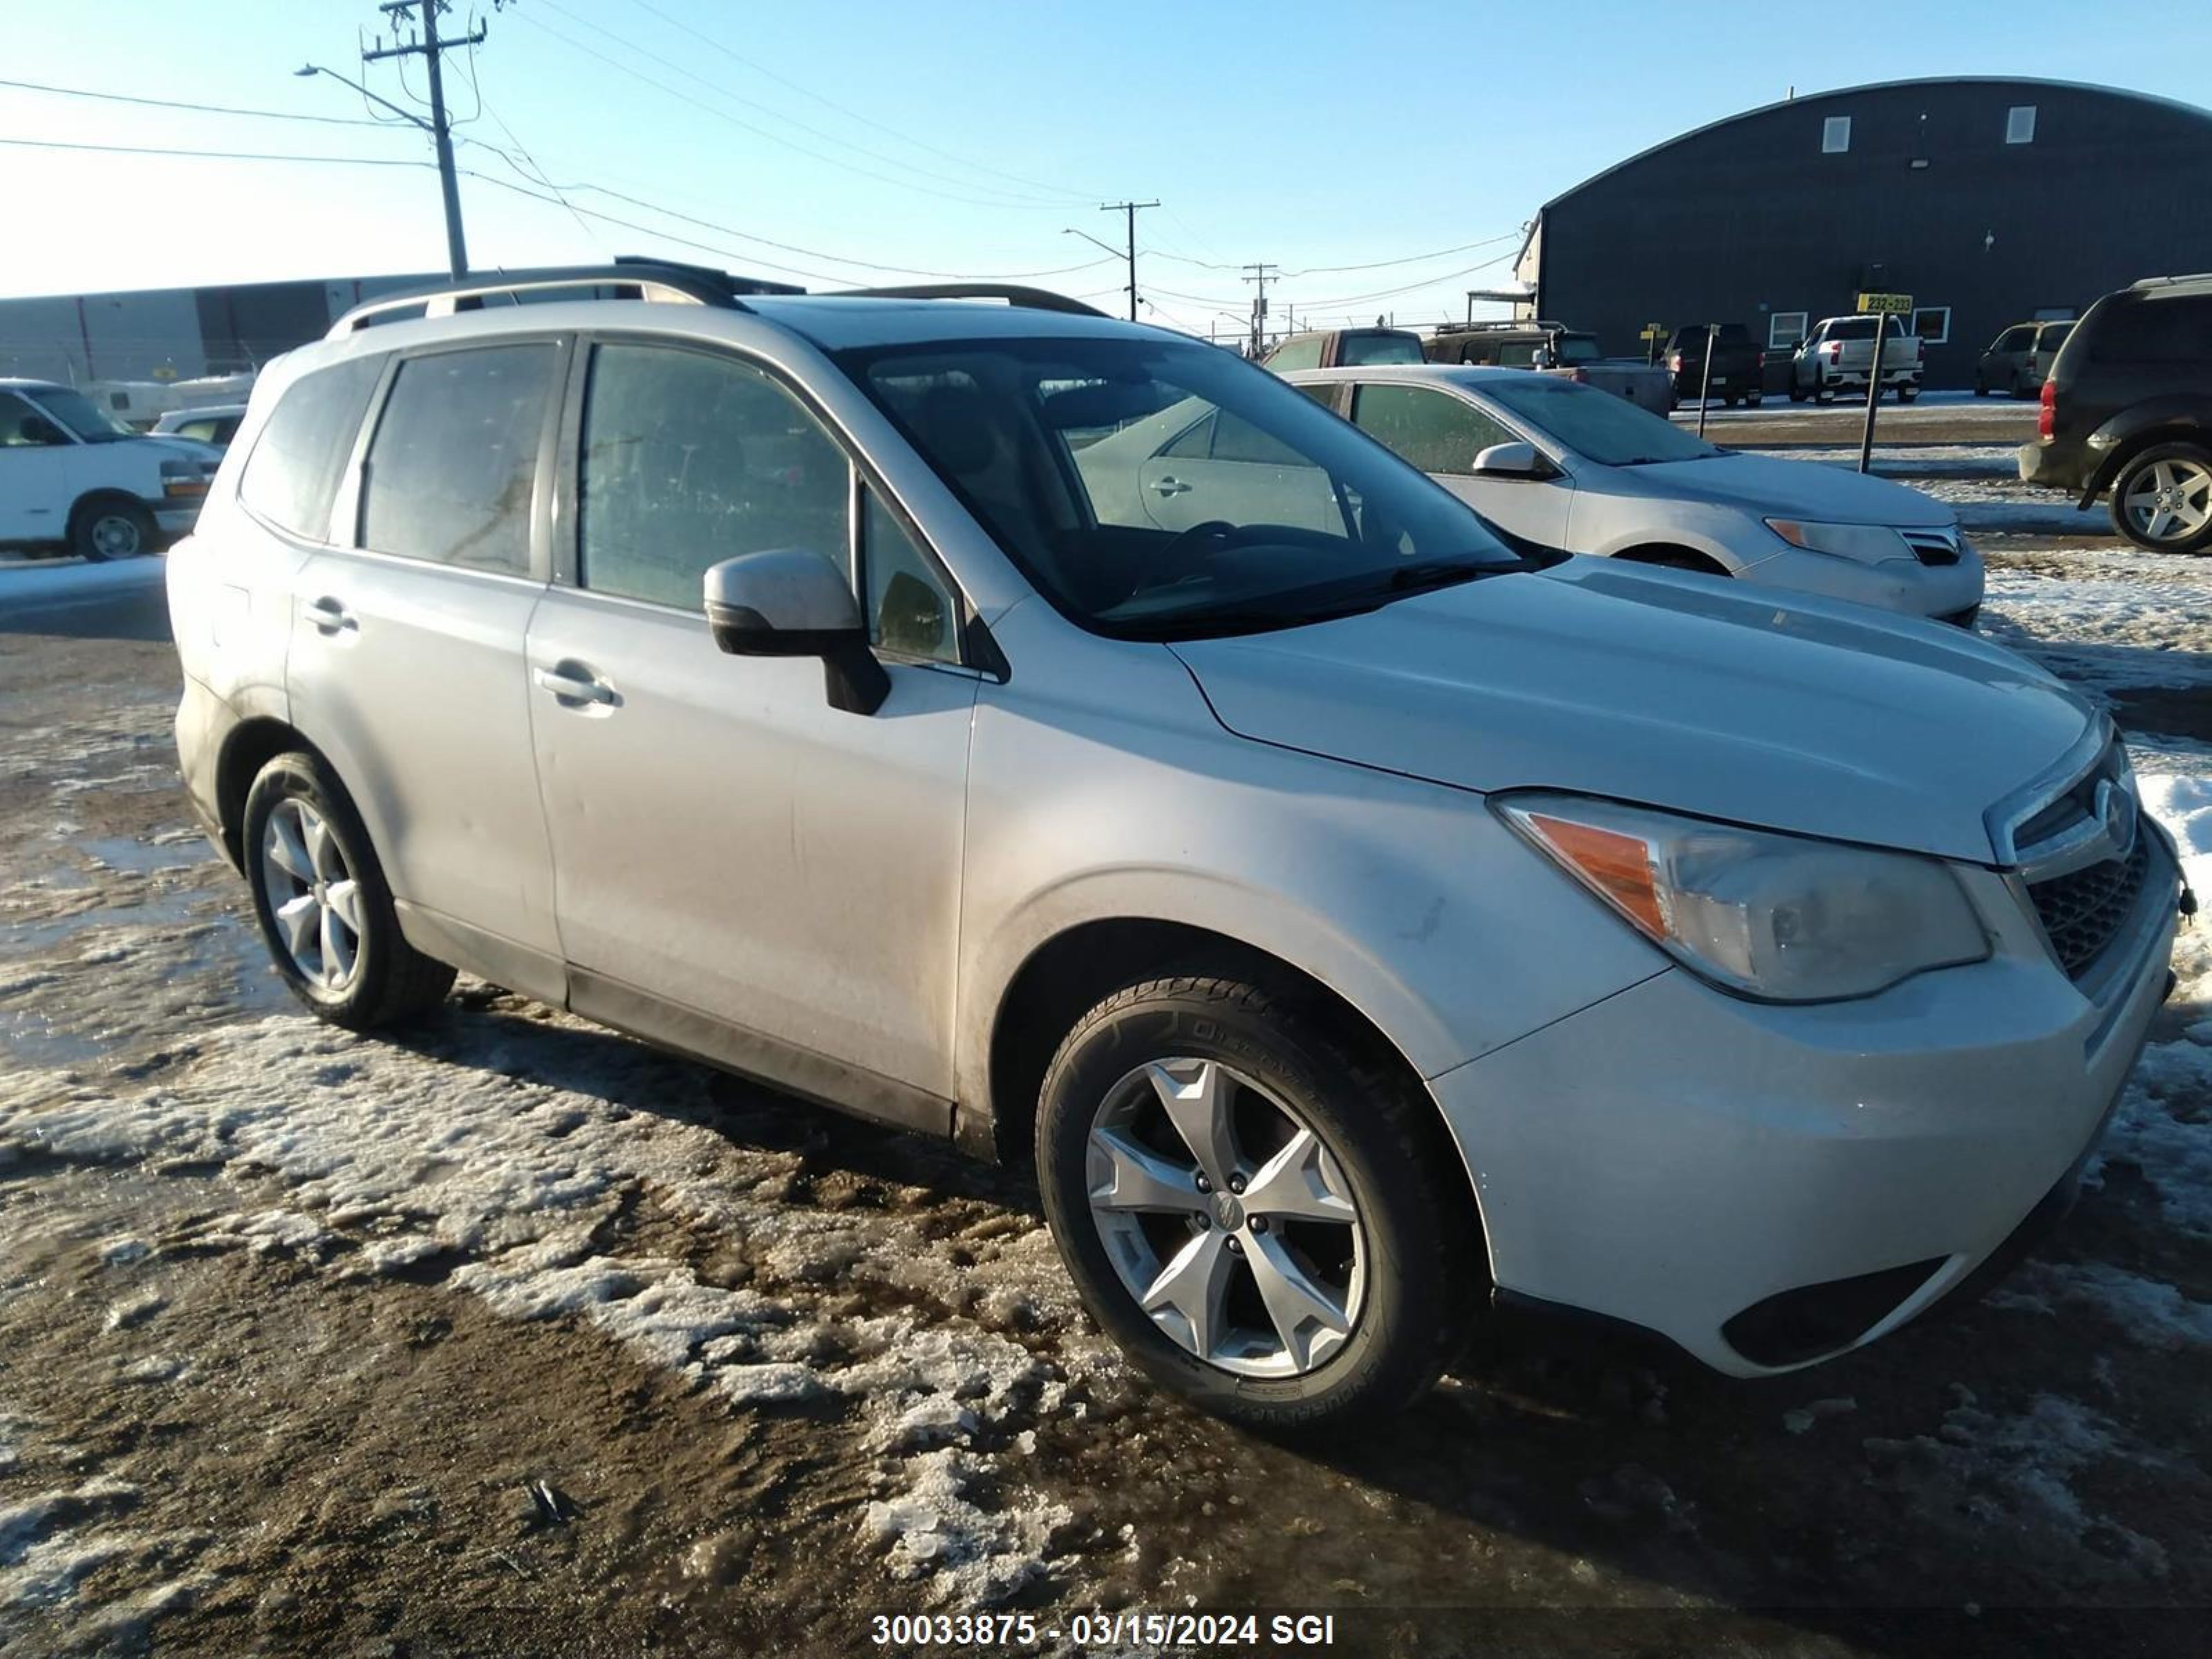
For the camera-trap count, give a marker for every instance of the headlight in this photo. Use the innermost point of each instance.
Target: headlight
(1869, 544)
(1779, 918)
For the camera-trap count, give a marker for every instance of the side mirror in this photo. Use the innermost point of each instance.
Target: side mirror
(792, 602)
(1513, 460)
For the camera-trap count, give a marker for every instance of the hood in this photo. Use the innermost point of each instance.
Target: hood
(1769, 486)
(185, 449)
(1724, 700)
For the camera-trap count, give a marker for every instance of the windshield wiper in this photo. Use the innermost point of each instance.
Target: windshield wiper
(1440, 572)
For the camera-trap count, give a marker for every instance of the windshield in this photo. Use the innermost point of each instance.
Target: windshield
(1217, 499)
(1360, 350)
(1574, 348)
(84, 417)
(1606, 429)
(1858, 328)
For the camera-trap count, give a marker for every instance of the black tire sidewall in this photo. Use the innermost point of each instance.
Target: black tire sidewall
(302, 776)
(1386, 1360)
(2197, 544)
(81, 536)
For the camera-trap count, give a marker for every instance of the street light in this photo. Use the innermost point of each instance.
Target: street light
(308, 71)
(1093, 241)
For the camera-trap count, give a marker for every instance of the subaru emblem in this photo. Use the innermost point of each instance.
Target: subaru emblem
(2115, 811)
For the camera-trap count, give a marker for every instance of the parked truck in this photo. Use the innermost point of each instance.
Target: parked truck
(1836, 355)
(1343, 348)
(1554, 347)
(1739, 366)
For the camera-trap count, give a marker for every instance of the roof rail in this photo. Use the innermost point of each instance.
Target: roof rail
(2179, 281)
(1032, 299)
(1497, 324)
(645, 279)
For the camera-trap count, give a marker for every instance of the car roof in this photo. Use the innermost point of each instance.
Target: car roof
(1450, 373)
(11, 383)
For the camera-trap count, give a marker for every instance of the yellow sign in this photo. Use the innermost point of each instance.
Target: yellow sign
(1894, 303)
(1653, 331)
(165, 372)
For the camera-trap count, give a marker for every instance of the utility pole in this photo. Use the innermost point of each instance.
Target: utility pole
(431, 48)
(1130, 209)
(1260, 275)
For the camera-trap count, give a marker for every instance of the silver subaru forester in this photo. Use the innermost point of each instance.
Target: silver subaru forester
(1364, 921)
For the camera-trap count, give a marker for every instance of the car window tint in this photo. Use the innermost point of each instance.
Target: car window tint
(1195, 441)
(911, 607)
(22, 427)
(2015, 339)
(1434, 430)
(1236, 439)
(1359, 350)
(1297, 354)
(2154, 331)
(293, 473)
(691, 459)
(454, 462)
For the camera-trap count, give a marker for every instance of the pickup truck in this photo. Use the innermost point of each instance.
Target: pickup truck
(72, 478)
(1834, 357)
(1344, 347)
(1554, 349)
(1738, 365)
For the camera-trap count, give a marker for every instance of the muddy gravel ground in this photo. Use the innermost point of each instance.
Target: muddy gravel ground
(509, 1336)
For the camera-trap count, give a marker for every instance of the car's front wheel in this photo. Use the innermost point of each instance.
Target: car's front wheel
(2162, 499)
(1254, 1207)
(324, 910)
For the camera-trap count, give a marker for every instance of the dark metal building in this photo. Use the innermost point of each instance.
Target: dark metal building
(1989, 200)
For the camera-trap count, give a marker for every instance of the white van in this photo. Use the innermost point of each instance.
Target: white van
(74, 478)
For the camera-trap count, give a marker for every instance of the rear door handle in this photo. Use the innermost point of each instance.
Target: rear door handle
(328, 615)
(573, 683)
(1171, 487)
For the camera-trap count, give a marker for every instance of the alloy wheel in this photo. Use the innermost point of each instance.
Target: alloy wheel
(2170, 500)
(312, 895)
(1226, 1217)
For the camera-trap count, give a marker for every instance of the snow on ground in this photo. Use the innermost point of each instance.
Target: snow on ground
(2121, 617)
(1990, 503)
(370, 1158)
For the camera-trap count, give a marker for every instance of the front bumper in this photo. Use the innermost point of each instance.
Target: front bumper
(1942, 592)
(1676, 1158)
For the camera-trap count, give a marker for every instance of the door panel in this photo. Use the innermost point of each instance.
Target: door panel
(32, 502)
(409, 676)
(725, 840)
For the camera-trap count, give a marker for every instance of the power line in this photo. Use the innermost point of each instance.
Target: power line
(853, 114)
(217, 154)
(1409, 259)
(206, 109)
(773, 137)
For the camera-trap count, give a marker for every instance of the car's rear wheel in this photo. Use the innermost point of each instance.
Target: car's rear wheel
(1981, 385)
(1254, 1207)
(2162, 499)
(324, 909)
(112, 528)
(1796, 392)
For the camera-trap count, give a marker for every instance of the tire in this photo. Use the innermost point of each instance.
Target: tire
(1822, 395)
(1754, 399)
(1731, 400)
(1796, 392)
(1906, 393)
(111, 528)
(1406, 1288)
(2162, 499)
(1981, 386)
(318, 849)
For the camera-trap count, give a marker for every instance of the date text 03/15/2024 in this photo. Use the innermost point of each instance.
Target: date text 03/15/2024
(1015, 1632)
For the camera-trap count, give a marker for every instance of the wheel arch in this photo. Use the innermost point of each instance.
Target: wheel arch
(2159, 421)
(1673, 555)
(251, 745)
(1074, 969)
(101, 495)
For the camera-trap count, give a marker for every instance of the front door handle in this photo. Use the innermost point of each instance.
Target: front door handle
(1170, 487)
(328, 615)
(571, 681)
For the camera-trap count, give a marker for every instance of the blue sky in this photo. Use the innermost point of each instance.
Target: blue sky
(963, 138)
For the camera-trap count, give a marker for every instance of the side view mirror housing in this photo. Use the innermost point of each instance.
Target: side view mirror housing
(1513, 460)
(793, 602)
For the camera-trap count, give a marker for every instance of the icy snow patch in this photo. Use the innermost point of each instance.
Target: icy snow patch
(973, 1557)
(2155, 1313)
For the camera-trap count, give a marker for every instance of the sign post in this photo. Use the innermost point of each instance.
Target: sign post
(1705, 381)
(1883, 306)
(1652, 334)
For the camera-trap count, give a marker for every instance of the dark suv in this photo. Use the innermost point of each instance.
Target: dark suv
(2128, 407)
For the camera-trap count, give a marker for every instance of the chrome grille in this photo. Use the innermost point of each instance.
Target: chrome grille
(1932, 546)
(2082, 910)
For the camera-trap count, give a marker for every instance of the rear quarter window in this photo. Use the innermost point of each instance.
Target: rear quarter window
(2159, 330)
(292, 475)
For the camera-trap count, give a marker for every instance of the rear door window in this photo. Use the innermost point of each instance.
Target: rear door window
(292, 475)
(2160, 329)
(1296, 353)
(452, 470)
